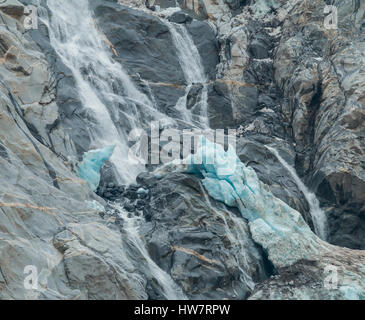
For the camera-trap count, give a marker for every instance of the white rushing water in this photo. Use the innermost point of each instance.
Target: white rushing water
(86, 52)
(114, 103)
(318, 216)
(131, 225)
(191, 64)
(115, 106)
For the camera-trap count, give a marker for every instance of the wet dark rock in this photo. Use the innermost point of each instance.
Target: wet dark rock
(197, 11)
(180, 17)
(162, 3)
(129, 207)
(110, 191)
(146, 179)
(207, 45)
(140, 40)
(140, 204)
(108, 195)
(121, 189)
(259, 49)
(220, 111)
(130, 194)
(194, 96)
(247, 102)
(147, 213)
(266, 101)
(236, 5)
(133, 187)
(195, 250)
(3, 152)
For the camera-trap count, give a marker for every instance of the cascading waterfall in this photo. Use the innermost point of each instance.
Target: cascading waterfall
(117, 107)
(131, 225)
(318, 216)
(85, 51)
(194, 73)
(75, 38)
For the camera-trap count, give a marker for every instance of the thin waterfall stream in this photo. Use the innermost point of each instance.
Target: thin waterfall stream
(193, 69)
(131, 225)
(318, 216)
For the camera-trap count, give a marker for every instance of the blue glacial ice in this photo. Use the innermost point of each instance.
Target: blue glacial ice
(92, 161)
(280, 229)
(352, 292)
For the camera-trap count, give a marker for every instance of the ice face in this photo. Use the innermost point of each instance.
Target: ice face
(92, 161)
(280, 229)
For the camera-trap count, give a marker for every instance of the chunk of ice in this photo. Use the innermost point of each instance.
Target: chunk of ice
(92, 161)
(280, 229)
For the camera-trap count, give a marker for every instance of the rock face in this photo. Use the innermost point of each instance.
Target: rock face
(292, 82)
(207, 249)
(46, 218)
(278, 229)
(141, 40)
(319, 72)
(340, 279)
(271, 69)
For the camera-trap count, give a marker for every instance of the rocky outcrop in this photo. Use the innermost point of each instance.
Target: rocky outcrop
(278, 229)
(319, 70)
(141, 40)
(77, 253)
(207, 249)
(271, 70)
(48, 222)
(282, 74)
(331, 276)
(204, 246)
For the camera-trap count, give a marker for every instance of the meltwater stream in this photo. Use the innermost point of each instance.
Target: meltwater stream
(318, 216)
(194, 73)
(131, 226)
(105, 89)
(115, 106)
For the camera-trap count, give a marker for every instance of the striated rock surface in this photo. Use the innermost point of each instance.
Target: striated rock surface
(300, 258)
(46, 217)
(204, 246)
(337, 274)
(283, 74)
(271, 69)
(320, 72)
